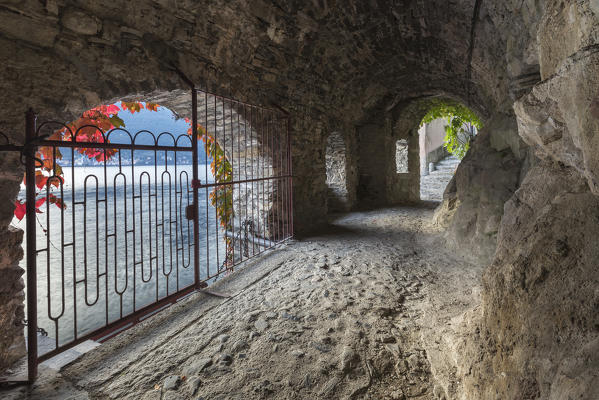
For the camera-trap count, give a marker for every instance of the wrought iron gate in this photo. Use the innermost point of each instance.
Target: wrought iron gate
(159, 216)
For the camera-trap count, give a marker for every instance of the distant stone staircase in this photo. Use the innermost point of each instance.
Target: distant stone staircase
(433, 185)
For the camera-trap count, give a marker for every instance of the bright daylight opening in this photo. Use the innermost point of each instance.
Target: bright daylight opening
(336, 161)
(445, 134)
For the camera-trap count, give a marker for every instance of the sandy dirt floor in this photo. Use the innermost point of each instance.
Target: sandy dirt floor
(340, 315)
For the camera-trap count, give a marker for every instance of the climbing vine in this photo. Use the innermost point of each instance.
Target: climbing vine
(458, 131)
(221, 197)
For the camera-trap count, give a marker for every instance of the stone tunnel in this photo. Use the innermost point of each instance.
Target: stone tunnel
(509, 259)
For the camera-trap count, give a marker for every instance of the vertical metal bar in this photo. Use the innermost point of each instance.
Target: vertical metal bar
(264, 146)
(279, 203)
(216, 188)
(158, 225)
(133, 223)
(30, 135)
(290, 169)
(232, 163)
(176, 222)
(244, 222)
(270, 183)
(194, 152)
(206, 181)
(253, 192)
(74, 241)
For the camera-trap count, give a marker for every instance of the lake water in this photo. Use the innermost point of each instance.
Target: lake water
(125, 243)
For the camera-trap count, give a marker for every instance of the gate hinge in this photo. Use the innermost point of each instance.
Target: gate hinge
(190, 212)
(196, 183)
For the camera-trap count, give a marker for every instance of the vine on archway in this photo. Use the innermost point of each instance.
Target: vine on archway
(458, 132)
(221, 197)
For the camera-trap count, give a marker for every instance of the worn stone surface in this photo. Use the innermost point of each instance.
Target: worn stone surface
(540, 298)
(433, 185)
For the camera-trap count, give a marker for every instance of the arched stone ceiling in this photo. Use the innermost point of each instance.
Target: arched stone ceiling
(334, 57)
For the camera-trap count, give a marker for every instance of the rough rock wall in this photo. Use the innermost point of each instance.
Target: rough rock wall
(486, 178)
(540, 300)
(535, 335)
(540, 303)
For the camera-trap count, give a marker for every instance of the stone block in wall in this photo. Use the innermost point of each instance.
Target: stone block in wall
(80, 22)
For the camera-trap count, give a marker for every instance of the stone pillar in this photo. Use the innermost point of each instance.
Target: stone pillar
(309, 174)
(12, 296)
(377, 159)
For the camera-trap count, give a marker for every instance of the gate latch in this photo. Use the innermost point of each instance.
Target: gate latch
(196, 183)
(190, 212)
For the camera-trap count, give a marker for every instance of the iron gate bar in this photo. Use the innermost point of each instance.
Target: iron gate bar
(108, 146)
(196, 224)
(198, 184)
(29, 151)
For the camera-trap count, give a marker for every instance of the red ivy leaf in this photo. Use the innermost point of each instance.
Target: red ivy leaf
(40, 179)
(152, 106)
(56, 200)
(133, 107)
(20, 209)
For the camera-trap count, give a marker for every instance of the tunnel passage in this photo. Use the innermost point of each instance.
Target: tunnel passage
(359, 67)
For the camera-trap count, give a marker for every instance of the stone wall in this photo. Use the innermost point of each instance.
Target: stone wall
(12, 342)
(377, 156)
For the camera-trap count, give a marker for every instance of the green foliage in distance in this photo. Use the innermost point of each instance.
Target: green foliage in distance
(459, 119)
